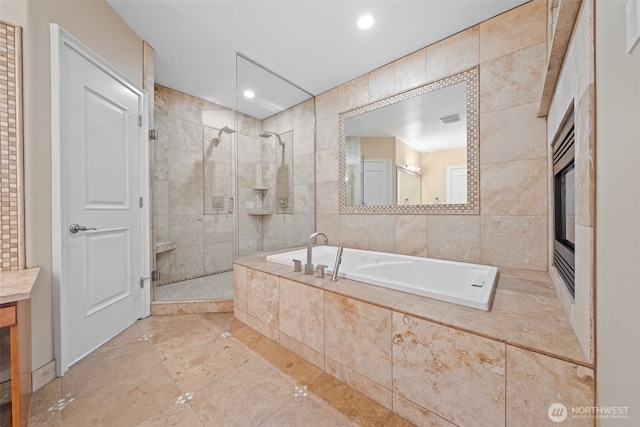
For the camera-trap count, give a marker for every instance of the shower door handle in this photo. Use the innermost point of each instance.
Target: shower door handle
(230, 210)
(74, 228)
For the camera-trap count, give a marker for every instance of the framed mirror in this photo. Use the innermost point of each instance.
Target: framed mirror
(413, 153)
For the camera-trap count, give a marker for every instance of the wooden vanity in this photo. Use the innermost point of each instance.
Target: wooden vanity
(15, 313)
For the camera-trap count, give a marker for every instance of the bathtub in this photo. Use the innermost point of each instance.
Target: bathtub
(471, 285)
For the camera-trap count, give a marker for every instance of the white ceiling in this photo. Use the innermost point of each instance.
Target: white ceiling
(314, 44)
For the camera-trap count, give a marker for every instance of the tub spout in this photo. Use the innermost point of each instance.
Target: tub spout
(308, 268)
(336, 266)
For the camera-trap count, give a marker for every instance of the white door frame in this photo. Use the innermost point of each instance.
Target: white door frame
(59, 38)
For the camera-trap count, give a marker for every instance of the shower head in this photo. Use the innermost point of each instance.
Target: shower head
(226, 129)
(267, 134)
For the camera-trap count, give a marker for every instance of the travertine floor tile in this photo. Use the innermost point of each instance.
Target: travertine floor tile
(250, 396)
(196, 370)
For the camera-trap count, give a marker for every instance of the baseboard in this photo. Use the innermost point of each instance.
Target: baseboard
(43, 375)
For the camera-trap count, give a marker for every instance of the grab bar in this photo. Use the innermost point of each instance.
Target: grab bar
(336, 266)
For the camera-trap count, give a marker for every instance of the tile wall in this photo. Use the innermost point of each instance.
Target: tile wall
(283, 230)
(576, 89)
(427, 372)
(511, 230)
(204, 242)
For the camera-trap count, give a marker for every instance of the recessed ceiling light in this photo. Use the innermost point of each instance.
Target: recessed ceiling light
(249, 94)
(365, 22)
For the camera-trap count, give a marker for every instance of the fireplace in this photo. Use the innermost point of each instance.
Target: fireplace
(564, 204)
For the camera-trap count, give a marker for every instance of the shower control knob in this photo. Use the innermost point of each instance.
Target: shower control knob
(74, 228)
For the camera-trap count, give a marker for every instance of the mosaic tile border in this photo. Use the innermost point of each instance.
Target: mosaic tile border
(218, 194)
(473, 174)
(285, 174)
(11, 202)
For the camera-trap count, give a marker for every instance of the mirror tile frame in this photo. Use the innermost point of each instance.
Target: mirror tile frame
(472, 207)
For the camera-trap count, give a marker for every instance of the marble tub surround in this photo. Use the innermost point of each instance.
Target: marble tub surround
(417, 355)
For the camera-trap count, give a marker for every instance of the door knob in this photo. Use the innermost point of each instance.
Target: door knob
(74, 228)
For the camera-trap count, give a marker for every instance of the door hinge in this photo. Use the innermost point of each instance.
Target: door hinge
(141, 201)
(139, 120)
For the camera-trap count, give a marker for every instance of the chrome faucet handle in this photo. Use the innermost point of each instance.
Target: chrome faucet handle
(320, 270)
(308, 269)
(297, 265)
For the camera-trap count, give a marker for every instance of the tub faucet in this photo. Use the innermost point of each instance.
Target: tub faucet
(308, 267)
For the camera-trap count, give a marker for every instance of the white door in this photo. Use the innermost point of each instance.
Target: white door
(377, 182)
(100, 261)
(457, 184)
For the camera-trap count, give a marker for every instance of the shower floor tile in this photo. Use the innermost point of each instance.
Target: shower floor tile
(214, 287)
(200, 370)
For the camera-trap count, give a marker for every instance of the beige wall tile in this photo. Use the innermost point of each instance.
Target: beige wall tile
(417, 414)
(514, 241)
(454, 237)
(514, 188)
(585, 159)
(242, 316)
(582, 50)
(327, 103)
(453, 54)
(411, 235)
(359, 382)
(438, 367)
(213, 306)
(502, 138)
(382, 233)
(263, 297)
(354, 93)
(357, 336)
(304, 351)
(327, 133)
(536, 382)
(422, 306)
(411, 70)
(301, 313)
(514, 30)
(329, 224)
(265, 329)
(575, 89)
(166, 308)
(354, 231)
(378, 295)
(327, 197)
(583, 310)
(382, 82)
(327, 165)
(512, 80)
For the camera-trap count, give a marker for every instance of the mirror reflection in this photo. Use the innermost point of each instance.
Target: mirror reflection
(412, 150)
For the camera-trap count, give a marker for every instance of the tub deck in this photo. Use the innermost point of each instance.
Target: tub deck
(526, 312)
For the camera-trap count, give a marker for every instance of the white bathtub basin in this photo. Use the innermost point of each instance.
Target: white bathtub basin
(471, 285)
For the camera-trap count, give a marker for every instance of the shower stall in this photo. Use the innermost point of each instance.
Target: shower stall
(228, 182)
